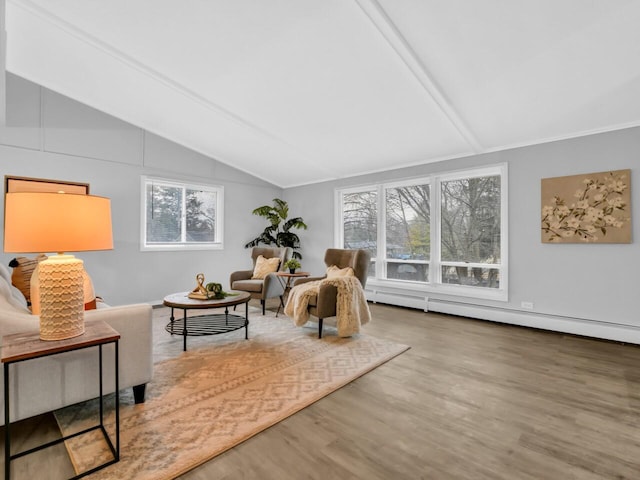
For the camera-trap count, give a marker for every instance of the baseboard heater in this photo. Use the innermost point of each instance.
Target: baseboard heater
(556, 323)
(400, 299)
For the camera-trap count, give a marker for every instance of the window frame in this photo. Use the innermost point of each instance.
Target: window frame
(434, 284)
(217, 244)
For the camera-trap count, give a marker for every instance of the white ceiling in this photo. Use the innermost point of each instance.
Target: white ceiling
(302, 91)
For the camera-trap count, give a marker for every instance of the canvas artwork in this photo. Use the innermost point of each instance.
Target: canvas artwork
(593, 208)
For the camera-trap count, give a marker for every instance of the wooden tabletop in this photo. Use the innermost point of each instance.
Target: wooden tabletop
(296, 274)
(181, 300)
(23, 346)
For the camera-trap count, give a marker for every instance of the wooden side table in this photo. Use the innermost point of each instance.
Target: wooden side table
(22, 347)
(285, 279)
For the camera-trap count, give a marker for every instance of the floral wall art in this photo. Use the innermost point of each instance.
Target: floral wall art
(593, 208)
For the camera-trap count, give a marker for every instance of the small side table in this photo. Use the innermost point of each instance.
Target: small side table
(285, 279)
(21, 347)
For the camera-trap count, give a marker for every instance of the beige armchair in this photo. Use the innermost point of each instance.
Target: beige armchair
(270, 286)
(324, 305)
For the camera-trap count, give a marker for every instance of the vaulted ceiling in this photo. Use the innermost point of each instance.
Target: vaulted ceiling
(302, 91)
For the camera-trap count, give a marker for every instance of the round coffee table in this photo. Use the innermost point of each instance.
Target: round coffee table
(209, 324)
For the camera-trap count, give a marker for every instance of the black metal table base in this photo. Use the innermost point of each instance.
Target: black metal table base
(210, 324)
(115, 449)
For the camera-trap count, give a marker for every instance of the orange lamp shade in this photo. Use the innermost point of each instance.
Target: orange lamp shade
(38, 222)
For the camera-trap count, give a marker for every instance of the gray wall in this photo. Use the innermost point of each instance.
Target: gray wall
(580, 281)
(51, 136)
(3, 54)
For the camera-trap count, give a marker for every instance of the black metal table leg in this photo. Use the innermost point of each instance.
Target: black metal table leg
(184, 331)
(100, 387)
(246, 321)
(117, 455)
(7, 425)
(172, 319)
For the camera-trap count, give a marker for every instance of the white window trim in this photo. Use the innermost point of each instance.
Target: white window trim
(218, 244)
(434, 286)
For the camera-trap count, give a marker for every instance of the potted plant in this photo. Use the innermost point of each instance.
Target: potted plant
(292, 264)
(278, 232)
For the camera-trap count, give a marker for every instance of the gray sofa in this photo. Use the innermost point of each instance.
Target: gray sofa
(46, 384)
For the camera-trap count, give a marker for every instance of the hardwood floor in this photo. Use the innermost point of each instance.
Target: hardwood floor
(469, 400)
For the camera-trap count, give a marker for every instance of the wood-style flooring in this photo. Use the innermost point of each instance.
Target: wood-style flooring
(469, 400)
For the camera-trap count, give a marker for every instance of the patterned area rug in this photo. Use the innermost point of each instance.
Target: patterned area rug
(220, 392)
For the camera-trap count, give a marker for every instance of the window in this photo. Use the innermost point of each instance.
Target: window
(407, 232)
(445, 232)
(470, 231)
(180, 216)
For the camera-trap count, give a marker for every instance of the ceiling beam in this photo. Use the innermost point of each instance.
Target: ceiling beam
(396, 40)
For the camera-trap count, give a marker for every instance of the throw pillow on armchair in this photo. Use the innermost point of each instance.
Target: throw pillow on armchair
(265, 266)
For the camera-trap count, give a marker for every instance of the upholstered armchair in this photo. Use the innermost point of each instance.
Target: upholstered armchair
(262, 288)
(324, 305)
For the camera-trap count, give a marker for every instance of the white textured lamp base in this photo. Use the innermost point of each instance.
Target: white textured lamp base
(61, 297)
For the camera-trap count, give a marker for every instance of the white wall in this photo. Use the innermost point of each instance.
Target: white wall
(51, 136)
(587, 289)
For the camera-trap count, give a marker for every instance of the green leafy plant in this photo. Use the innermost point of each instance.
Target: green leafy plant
(278, 232)
(292, 264)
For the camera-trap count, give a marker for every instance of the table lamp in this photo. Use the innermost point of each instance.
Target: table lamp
(37, 222)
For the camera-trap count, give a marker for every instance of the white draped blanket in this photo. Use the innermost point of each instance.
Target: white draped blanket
(352, 309)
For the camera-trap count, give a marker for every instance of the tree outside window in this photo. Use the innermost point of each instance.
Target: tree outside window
(408, 242)
(201, 215)
(360, 222)
(360, 216)
(470, 230)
